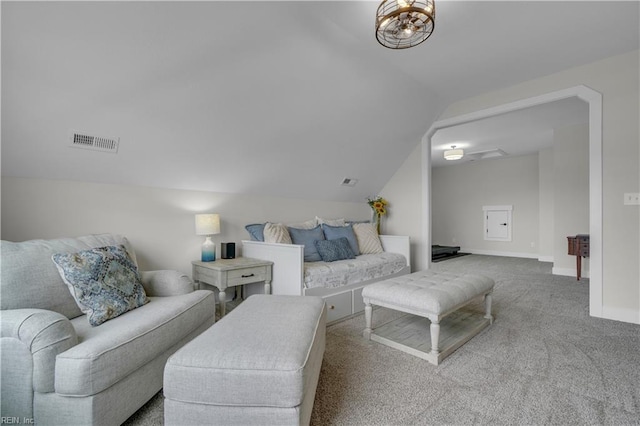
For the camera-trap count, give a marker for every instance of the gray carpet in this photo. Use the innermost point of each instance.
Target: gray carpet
(543, 361)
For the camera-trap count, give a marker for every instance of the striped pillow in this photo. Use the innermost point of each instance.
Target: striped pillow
(276, 233)
(368, 240)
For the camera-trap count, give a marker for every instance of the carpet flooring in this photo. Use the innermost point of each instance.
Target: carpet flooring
(544, 361)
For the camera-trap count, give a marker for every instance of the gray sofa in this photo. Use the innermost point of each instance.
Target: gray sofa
(58, 369)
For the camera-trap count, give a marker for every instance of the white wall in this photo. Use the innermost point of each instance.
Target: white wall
(460, 191)
(405, 208)
(617, 79)
(571, 194)
(159, 222)
(546, 228)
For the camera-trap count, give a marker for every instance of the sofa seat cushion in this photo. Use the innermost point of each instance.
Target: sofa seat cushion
(350, 271)
(106, 354)
(261, 354)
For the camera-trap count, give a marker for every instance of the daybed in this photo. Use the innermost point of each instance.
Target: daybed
(340, 283)
(57, 367)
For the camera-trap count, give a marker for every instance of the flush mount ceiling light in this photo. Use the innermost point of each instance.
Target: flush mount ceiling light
(453, 153)
(404, 23)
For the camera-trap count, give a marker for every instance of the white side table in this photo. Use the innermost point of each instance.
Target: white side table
(225, 273)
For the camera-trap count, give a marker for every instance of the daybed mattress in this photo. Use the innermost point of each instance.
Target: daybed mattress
(343, 272)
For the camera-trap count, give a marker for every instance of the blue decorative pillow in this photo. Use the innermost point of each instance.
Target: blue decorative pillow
(332, 250)
(308, 238)
(256, 230)
(335, 232)
(104, 281)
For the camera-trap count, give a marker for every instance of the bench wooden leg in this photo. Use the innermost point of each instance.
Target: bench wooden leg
(435, 337)
(487, 308)
(367, 320)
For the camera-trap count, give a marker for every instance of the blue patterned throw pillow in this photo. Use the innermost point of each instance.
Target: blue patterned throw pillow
(346, 231)
(104, 281)
(332, 250)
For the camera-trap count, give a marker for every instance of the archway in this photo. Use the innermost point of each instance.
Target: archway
(594, 100)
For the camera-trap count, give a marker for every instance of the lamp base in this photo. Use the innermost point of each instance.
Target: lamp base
(208, 250)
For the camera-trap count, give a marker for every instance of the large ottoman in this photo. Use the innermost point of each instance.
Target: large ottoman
(259, 365)
(433, 296)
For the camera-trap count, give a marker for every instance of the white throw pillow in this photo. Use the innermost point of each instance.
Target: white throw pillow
(276, 233)
(331, 222)
(307, 224)
(367, 236)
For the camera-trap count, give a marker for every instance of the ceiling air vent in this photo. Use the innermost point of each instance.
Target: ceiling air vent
(349, 182)
(483, 155)
(92, 142)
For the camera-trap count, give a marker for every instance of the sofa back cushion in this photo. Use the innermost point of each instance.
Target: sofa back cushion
(30, 279)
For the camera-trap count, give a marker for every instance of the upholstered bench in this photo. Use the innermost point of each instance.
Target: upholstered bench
(258, 365)
(434, 296)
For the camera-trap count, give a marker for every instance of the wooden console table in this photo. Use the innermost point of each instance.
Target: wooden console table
(579, 247)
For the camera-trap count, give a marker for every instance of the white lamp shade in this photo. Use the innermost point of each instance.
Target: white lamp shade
(453, 154)
(207, 224)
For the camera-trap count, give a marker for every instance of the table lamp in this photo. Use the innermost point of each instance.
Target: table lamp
(208, 225)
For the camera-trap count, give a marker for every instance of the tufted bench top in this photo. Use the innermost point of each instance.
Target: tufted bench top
(255, 356)
(427, 293)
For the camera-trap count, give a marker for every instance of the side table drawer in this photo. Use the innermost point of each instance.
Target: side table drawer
(247, 276)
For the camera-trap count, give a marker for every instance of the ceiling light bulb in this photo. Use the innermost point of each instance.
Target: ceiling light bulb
(402, 3)
(453, 153)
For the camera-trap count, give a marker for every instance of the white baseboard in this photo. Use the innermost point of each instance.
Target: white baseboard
(568, 272)
(545, 259)
(500, 253)
(621, 314)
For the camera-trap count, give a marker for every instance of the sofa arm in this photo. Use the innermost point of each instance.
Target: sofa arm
(30, 341)
(166, 283)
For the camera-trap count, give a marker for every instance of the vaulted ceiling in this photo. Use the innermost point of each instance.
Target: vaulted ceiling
(278, 98)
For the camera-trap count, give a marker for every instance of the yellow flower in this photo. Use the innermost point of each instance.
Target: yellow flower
(378, 205)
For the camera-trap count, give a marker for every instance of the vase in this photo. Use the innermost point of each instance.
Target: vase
(377, 222)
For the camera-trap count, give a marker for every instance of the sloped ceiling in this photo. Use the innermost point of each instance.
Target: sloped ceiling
(278, 98)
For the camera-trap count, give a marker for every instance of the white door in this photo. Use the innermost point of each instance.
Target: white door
(497, 223)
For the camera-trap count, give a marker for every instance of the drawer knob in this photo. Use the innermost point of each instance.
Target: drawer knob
(331, 307)
(247, 276)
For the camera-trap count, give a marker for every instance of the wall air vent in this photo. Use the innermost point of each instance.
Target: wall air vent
(96, 143)
(349, 182)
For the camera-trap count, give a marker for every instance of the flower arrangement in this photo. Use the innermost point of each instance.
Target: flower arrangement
(379, 207)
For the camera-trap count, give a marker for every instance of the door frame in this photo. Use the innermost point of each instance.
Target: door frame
(594, 100)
